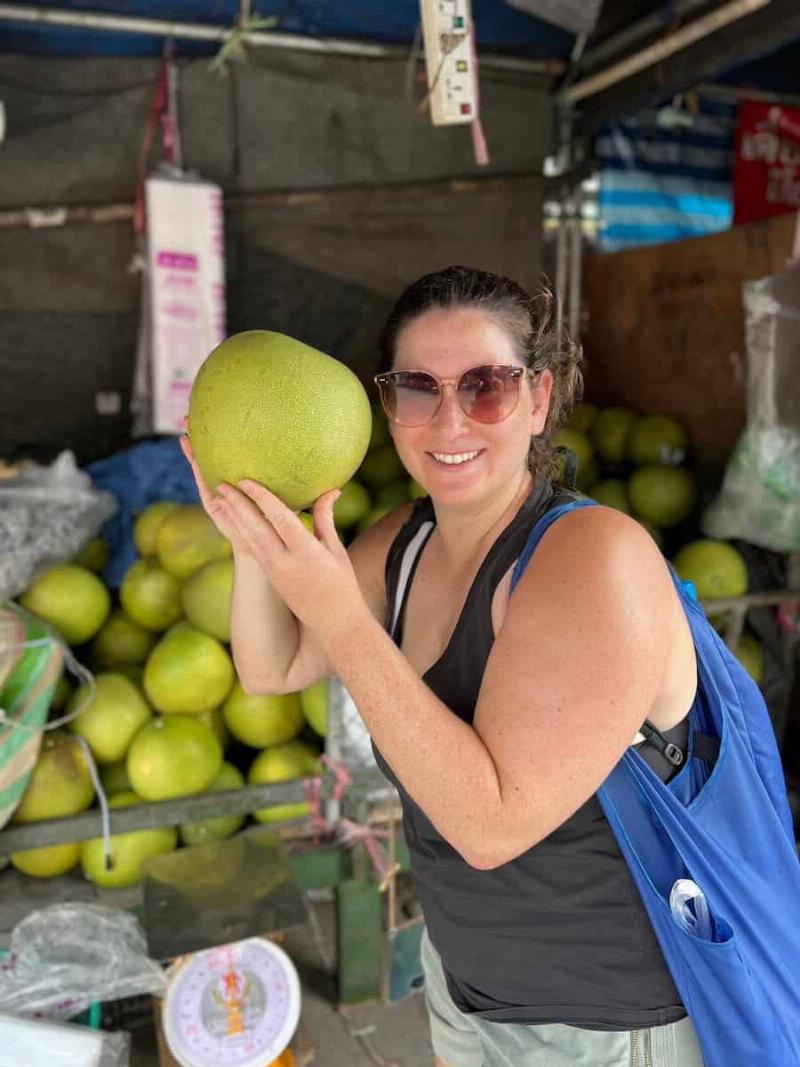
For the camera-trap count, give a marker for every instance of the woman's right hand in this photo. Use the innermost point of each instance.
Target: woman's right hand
(213, 504)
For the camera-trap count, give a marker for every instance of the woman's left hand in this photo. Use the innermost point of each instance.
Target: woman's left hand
(311, 572)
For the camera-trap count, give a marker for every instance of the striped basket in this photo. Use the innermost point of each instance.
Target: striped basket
(31, 660)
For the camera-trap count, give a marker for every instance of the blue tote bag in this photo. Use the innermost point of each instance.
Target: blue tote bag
(727, 827)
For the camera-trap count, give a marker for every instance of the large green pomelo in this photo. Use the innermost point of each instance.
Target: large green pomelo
(150, 595)
(611, 493)
(188, 671)
(281, 763)
(70, 598)
(664, 495)
(259, 721)
(113, 717)
(750, 653)
(122, 640)
(187, 539)
(222, 826)
(716, 568)
(314, 702)
(609, 433)
(206, 598)
(657, 439)
(267, 407)
(145, 529)
(128, 851)
(60, 783)
(47, 862)
(174, 756)
(351, 506)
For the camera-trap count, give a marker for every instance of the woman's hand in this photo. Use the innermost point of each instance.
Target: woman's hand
(312, 573)
(212, 503)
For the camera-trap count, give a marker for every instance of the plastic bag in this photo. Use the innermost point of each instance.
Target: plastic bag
(47, 514)
(760, 496)
(46, 1044)
(68, 956)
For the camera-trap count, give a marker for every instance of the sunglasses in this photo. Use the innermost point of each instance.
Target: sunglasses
(488, 393)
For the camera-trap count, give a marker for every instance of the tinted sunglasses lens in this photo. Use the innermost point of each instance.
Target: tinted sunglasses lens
(410, 398)
(489, 394)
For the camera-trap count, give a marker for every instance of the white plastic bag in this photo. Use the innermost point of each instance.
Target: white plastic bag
(760, 496)
(47, 514)
(68, 956)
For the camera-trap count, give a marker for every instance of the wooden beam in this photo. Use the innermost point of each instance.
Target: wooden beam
(754, 35)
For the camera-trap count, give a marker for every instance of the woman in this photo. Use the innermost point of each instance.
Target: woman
(497, 717)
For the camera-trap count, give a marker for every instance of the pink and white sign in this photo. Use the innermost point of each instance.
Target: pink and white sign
(186, 251)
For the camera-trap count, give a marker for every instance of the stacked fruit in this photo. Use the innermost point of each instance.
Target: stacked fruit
(167, 705)
(636, 464)
(380, 484)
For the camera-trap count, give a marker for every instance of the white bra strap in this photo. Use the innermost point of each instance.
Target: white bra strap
(412, 551)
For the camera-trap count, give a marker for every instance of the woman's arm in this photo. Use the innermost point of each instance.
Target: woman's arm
(572, 674)
(272, 650)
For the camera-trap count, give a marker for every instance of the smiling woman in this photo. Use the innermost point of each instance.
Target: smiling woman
(497, 719)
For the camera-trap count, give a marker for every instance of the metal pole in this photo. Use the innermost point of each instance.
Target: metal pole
(576, 257)
(561, 268)
(668, 46)
(92, 20)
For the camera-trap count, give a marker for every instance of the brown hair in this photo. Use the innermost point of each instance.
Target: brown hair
(530, 321)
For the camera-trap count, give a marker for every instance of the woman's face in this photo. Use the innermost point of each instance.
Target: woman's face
(448, 342)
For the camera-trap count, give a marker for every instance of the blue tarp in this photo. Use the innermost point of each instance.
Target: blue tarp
(150, 471)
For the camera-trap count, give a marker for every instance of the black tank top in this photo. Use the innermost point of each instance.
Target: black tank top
(559, 934)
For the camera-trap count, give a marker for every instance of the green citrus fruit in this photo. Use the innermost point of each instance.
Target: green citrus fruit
(70, 598)
(221, 826)
(187, 539)
(150, 595)
(282, 763)
(113, 717)
(664, 495)
(174, 756)
(121, 640)
(351, 505)
(267, 407)
(206, 598)
(188, 671)
(128, 851)
(60, 783)
(657, 439)
(47, 862)
(145, 529)
(262, 720)
(609, 433)
(612, 493)
(716, 568)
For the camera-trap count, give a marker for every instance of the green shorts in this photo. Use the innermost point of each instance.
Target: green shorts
(461, 1040)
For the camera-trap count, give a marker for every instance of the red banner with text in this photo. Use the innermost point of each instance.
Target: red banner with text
(766, 176)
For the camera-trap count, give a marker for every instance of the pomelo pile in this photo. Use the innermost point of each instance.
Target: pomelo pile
(168, 707)
(167, 700)
(637, 464)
